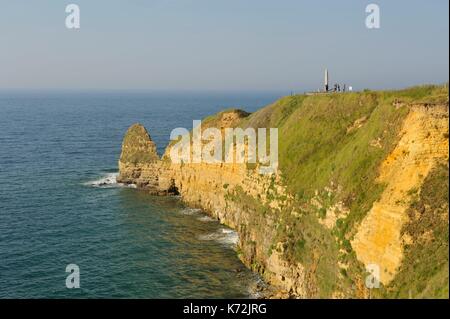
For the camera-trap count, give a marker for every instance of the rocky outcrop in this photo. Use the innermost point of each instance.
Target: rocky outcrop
(140, 164)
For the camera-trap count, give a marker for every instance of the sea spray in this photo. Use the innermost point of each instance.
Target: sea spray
(108, 180)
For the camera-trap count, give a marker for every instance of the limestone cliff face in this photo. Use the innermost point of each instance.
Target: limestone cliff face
(256, 205)
(228, 192)
(225, 191)
(422, 145)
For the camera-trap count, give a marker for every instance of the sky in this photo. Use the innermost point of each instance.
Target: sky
(243, 45)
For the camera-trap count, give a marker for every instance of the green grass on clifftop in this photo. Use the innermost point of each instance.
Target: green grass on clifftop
(339, 139)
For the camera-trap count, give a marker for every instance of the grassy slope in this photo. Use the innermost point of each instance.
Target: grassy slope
(316, 152)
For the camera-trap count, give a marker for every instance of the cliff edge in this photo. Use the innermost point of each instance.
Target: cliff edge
(361, 182)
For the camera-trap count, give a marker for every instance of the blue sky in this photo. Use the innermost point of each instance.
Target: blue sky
(266, 45)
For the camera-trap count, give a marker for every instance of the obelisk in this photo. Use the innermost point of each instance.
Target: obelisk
(326, 80)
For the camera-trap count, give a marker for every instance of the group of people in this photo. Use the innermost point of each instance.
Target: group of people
(338, 88)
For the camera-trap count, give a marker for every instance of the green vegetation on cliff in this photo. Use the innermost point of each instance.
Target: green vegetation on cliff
(330, 149)
(138, 147)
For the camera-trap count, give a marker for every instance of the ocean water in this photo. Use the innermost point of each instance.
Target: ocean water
(59, 203)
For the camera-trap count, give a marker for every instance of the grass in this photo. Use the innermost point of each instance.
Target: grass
(308, 242)
(321, 145)
(316, 147)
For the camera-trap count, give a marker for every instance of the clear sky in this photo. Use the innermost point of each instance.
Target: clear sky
(222, 44)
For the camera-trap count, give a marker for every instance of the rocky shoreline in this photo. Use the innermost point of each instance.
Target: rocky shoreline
(211, 187)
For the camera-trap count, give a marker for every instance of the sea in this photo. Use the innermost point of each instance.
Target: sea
(60, 204)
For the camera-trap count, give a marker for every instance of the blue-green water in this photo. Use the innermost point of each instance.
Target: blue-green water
(54, 148)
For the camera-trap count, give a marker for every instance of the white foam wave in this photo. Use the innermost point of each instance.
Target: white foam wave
(190, 211)
(206, 219)
(223, 236)
(258, 288)
(108, 180)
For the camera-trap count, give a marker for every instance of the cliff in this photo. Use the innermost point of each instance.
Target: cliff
(359, 182)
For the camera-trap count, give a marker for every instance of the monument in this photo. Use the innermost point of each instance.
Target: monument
(337, 87)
